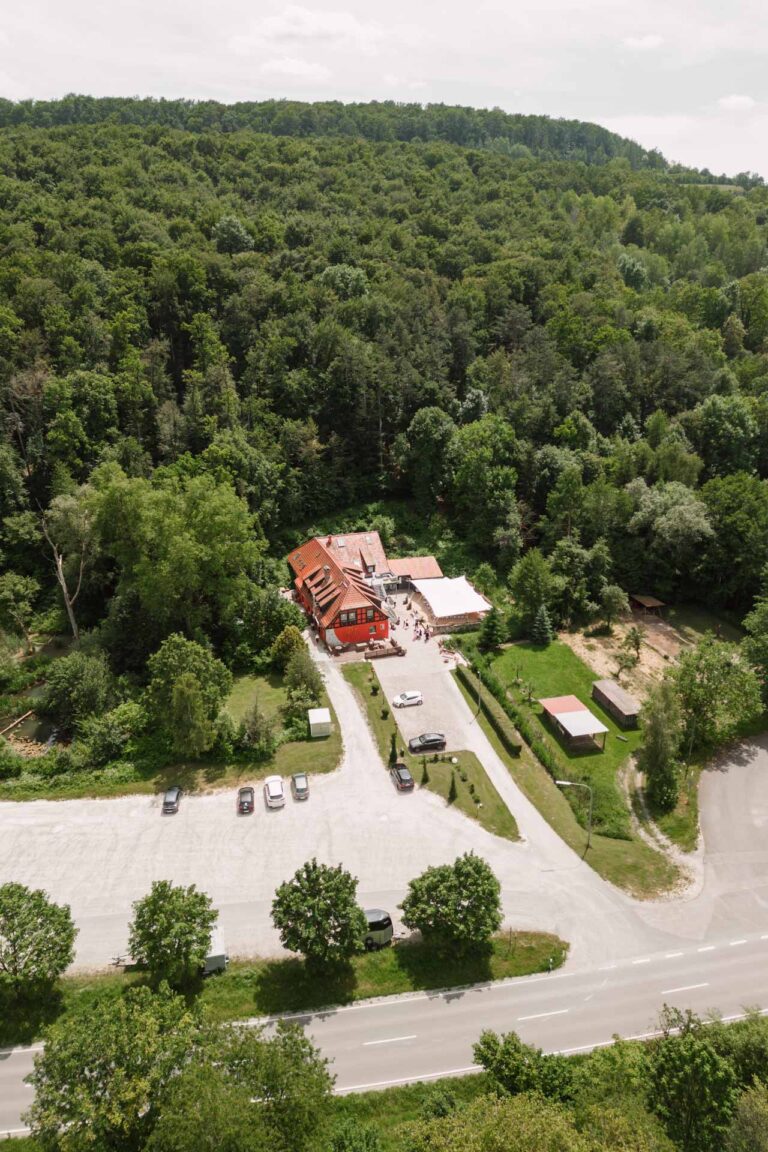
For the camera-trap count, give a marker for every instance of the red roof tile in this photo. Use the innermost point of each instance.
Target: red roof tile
(417, 567)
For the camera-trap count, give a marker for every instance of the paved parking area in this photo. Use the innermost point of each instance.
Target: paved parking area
(424, 667)
(101, 855)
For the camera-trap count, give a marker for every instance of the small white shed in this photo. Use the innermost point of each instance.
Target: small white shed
(319, 721)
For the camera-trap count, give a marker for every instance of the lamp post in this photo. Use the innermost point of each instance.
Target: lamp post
(579, 784)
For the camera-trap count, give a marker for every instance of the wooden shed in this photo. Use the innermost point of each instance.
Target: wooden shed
(624, 707)
(647, 604)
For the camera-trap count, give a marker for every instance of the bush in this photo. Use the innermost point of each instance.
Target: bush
(79, 686)
(497, 715)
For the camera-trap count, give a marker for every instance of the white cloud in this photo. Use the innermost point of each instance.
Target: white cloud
(645, 43)
(736, 103)
(295, 68)
(394, 81)
(297, 25)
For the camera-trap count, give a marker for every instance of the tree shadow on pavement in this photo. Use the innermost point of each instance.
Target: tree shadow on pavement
(23, 1017)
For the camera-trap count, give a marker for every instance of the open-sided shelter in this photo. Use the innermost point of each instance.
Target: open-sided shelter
(574, 721)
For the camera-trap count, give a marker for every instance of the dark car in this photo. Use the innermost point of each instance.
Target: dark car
(171, 801)
(300, 786)
(427, 742)
(402, 778)
(245, 801)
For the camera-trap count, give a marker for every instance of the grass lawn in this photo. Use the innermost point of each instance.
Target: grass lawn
(472, 783)
(316, 756)
(557, 671)
(261, 987)
(629, 864)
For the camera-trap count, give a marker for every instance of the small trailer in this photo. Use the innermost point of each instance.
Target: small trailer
(217, 959)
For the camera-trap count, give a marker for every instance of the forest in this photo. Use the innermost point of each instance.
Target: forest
(218, 337)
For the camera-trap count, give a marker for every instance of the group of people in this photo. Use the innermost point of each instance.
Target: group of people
(420, 629)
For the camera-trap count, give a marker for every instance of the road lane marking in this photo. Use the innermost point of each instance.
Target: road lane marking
(541, 1015)
(391, 1040)
(646, 960)
(410, 1079)
(733, 943)
(685, 988)
(672, 955)
(764, 937)
(706, 948)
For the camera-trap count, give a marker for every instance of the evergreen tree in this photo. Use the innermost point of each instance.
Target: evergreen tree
(541, 632)
(493, 631)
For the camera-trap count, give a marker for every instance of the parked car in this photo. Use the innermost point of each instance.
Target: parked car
(171, 801)
(402, 778)
(274, 793)
(245, 801)
(300, 786)
(427, 742)
(380, 930)
(408, 699)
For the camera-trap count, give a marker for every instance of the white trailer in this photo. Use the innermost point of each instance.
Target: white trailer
(217, 959)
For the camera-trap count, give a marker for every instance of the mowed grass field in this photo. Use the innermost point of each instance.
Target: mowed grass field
(476, 796)
(557, 671)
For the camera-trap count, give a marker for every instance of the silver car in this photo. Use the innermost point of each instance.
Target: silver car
(300, 786)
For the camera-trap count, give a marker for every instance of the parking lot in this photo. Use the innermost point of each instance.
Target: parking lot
(426, 669)
(101, 855)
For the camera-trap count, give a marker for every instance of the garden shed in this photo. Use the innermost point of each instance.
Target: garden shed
(624, 707)
(319, 721)
(574, 721)
(647, 604)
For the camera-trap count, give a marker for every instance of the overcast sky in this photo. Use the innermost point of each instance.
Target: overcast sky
(686, 76)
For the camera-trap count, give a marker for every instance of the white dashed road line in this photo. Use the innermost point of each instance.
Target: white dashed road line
(541, 1015)
(391, 1040)
(686, 988)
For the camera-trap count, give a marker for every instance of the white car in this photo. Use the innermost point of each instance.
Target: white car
(407, 700)
(274, 793)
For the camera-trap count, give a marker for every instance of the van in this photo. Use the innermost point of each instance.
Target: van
(171, 801)
(217, 959)
(380, 931)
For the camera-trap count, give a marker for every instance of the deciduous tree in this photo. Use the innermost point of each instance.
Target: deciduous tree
(456, 907)
(37, 937)
(317, 914)
(171, 931)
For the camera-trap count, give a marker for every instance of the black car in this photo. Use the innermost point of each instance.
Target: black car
(245, 801)
(427, 742)
(171, 801)
(402, 778)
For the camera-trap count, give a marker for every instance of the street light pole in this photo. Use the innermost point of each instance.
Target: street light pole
(580, 784)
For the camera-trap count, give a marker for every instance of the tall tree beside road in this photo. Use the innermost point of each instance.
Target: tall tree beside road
(749, 1127)
(515, 1067)
(456, 907)
(692, 1089)
(204, 1109)
(491, 1124)
(317, 915)
(105, 1070)
(755, 643)
(288, 1078)
(662, 734)
(171, 931)
(37, 937)
(718, 692)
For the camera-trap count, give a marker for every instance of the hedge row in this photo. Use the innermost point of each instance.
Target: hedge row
(495, 713)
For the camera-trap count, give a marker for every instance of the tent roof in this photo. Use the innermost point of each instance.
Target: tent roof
(581, 723)
(454, 597)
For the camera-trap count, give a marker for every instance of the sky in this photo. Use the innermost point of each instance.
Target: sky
(685, 76)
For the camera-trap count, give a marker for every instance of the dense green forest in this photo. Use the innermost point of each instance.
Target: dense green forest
(215, 339)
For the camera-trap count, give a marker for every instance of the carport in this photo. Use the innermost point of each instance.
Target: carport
(574, 721)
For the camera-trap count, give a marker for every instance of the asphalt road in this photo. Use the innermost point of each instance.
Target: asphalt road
(428, 1035)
